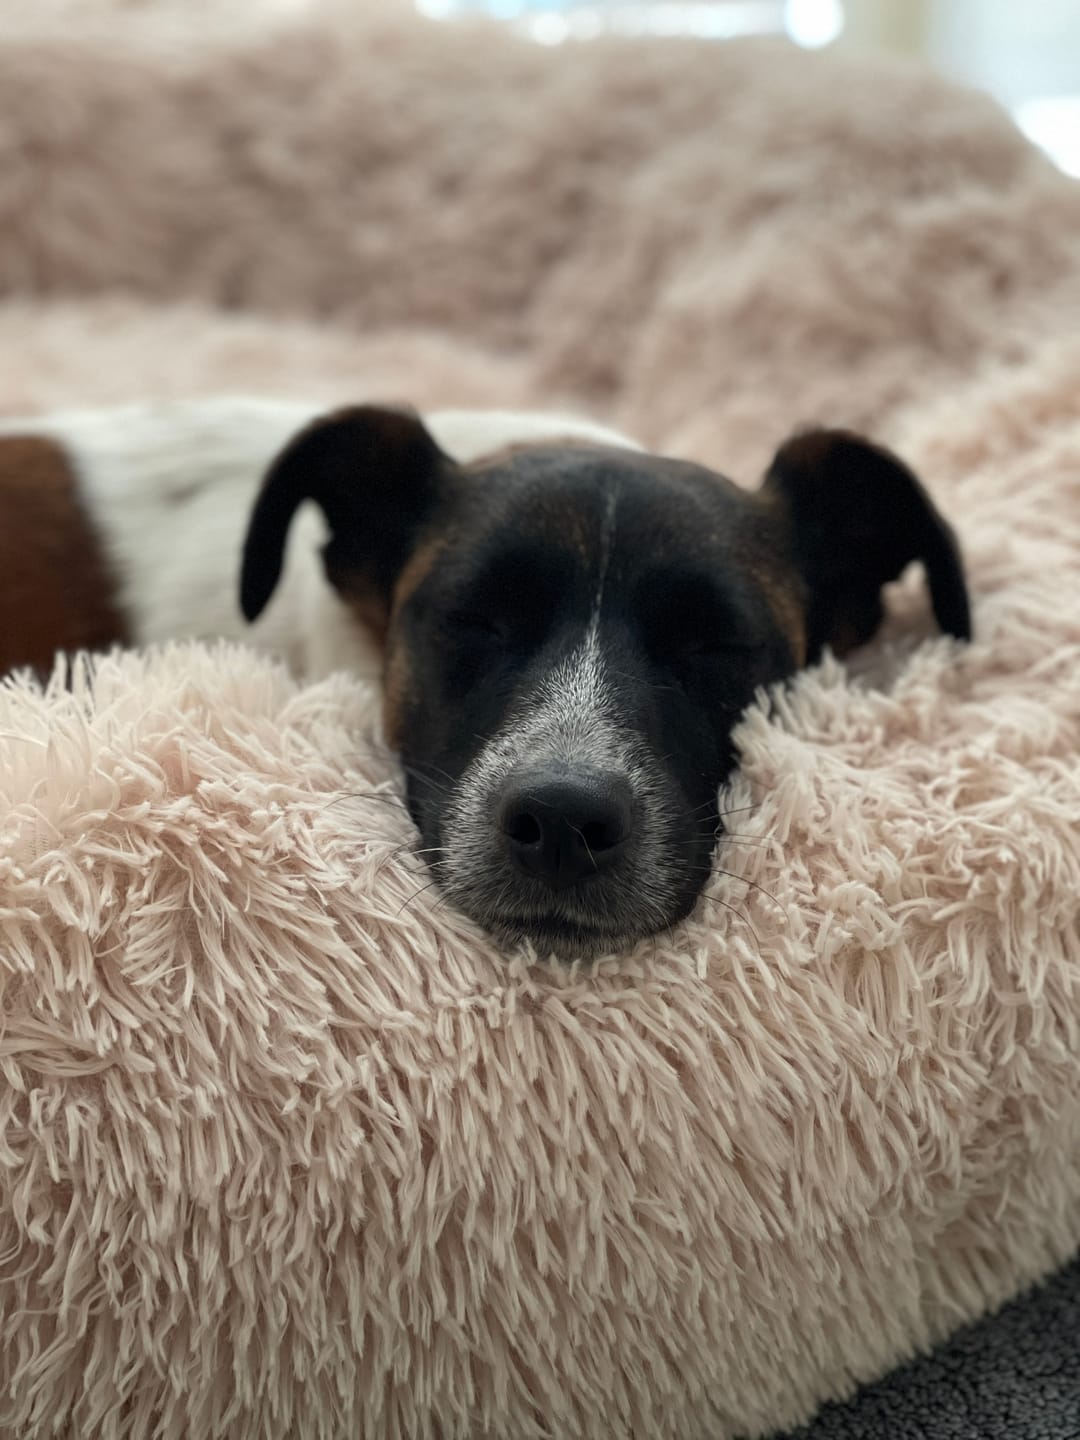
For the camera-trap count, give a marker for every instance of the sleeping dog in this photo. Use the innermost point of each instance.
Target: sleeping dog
(567, 627)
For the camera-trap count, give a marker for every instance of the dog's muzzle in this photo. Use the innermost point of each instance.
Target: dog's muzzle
(565, 828)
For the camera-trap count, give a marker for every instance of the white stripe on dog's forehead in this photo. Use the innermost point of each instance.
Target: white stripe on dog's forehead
(569, 717)
(607, 545)
(575, 702)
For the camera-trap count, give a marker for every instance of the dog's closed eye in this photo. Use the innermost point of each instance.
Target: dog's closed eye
(689, 620)
(717, 647)
(479, 627)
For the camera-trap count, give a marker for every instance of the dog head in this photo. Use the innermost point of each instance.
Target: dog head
(571, 632)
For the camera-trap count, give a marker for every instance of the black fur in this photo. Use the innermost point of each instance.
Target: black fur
(374, 473)
(858, 517)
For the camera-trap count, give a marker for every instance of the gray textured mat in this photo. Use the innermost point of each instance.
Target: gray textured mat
(1014, 1376)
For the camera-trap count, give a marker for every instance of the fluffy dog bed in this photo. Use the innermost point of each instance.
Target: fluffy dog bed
(287, 1148)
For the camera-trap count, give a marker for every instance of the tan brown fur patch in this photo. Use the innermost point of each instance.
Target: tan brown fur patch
(397, 669)
(57, 591)
(784, 602)
(369, 607)
(397, 682)
(416, 570)
(774, 574)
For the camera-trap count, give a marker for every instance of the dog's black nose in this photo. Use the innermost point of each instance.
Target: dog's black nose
(563, 825)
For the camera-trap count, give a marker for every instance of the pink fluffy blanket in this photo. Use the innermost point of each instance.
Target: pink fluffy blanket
(288, 1149)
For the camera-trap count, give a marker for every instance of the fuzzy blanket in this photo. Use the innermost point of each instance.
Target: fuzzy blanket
(287, 1149)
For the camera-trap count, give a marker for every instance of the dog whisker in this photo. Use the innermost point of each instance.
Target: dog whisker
(414, 896)
(437, 785)
(743, 880)
(702, 808)
(400, 852)
(365, 795)
(588, 851)
(734, 909)
(656, 686)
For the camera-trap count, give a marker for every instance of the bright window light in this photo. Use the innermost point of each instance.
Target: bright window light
(1053, 123)
(813, 23)
(706, 19)
(807, 22)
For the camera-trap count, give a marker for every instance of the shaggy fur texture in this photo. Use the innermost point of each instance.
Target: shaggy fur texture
(287, 1149)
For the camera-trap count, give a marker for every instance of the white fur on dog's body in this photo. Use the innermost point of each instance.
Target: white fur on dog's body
(170, 488)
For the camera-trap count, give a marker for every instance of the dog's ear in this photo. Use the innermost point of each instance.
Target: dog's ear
(375, 474)
(857, 516)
